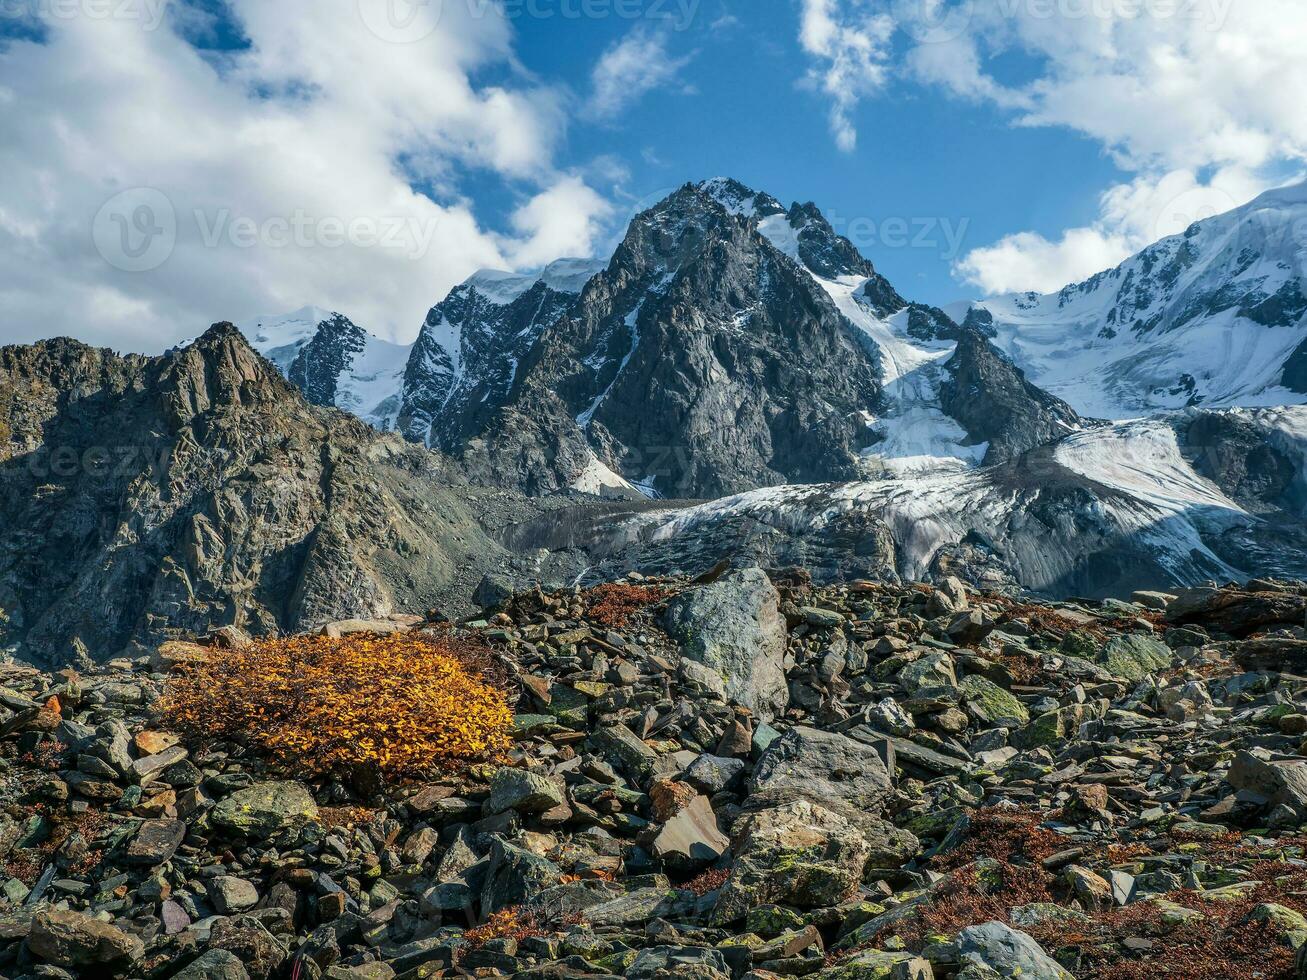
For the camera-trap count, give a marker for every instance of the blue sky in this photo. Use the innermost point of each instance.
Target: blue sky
(949, 169)
(173, 162)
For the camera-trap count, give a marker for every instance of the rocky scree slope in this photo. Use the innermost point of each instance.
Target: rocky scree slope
(734, 779)
(150, 497)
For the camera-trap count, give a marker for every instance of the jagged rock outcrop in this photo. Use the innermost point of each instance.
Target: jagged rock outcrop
(148, 497)
(465, 362)
(333, 361)
(994, 402)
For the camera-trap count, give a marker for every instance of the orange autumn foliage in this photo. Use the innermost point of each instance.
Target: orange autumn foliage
(406, 703)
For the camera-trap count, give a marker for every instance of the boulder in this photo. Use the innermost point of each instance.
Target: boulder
(734, 627)
(1009, 954)
(823, 765)
(523, 792)
(216, 964)
(690, 840)
(71, 939)
(263, 809)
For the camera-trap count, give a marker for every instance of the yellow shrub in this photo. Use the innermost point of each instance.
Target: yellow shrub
(407, 703)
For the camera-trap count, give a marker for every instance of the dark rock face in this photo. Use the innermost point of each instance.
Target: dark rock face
(150, 497)
(703, 360)
(1295, 370)
(317, 368)
(823, 251)
(991, 398)
(465, 362)
(926, 323)
(1230, 451)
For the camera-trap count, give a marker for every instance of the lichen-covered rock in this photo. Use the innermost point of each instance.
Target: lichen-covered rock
(1136, 656)
(265, 808)
(734, 628)
(1010, 954)
(992, 706)
(823, 765)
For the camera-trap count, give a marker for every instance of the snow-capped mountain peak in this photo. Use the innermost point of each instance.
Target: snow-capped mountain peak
(1215, 316)
(334, 361)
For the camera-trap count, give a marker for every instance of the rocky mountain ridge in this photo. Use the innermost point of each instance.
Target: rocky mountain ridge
(705, 358)
(1213, 317)
(148, 497)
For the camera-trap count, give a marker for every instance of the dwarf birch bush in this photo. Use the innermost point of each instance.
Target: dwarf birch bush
(407, 704)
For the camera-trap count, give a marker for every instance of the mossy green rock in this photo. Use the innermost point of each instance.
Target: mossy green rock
(1285, 922)
(1136, 656)
(992, 706)
(769, 921)
(265, 808)
(871, 964)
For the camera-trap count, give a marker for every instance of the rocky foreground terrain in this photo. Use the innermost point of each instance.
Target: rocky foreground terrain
(748, 777)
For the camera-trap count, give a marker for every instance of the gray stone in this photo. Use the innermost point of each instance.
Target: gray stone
(216, 964)
(691, 839)
(1010, 954)
(713, 773)
(71, 939)
(734, 627)
(230, 894)
(823, 765)
(514, 877)
(688, 962)
(523, 792)
(265, 808)
(155, 842)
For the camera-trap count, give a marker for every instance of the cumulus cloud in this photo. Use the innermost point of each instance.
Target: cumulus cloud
(630, 70)
(1199, 99)
(567, 219)
(848, 41)
(1132, 216)
(151, 189)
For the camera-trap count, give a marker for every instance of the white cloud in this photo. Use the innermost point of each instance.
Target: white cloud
(568, 219)
(848, 41)
(287, 168)
(1133, 216)
(630, 70)
(1171, 89)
